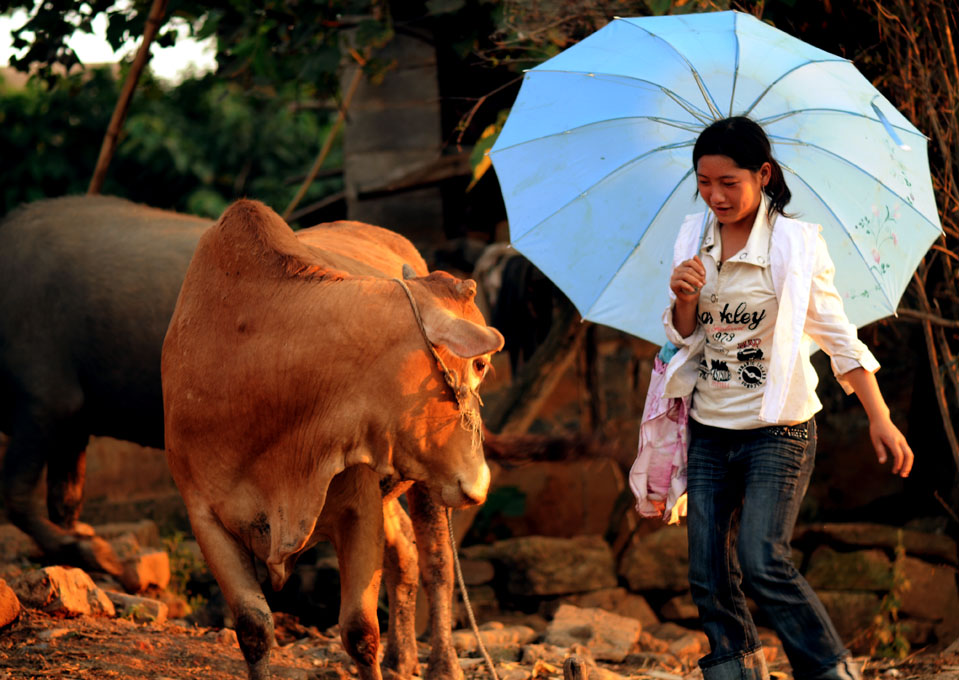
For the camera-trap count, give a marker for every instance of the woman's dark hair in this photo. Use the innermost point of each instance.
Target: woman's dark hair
(746, 143)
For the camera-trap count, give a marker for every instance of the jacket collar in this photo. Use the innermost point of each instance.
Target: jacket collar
(756, 250)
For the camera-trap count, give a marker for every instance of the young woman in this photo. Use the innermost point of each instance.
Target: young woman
(749, 287)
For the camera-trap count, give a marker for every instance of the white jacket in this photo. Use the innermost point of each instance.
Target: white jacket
(809, 308)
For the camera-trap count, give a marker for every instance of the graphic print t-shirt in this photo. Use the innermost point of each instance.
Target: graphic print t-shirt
(737, 309)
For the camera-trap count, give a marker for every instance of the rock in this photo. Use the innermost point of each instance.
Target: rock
(484, 602)
(542, 565)
(917, 543)
(680, 608)
(918, 633)
(551, 654)
(607, 636)
(145, 532)
(14, 544)
(145, 569)
(512, 671)
(859, 570)
(227, 637)
(657, 561)
(501, 642)
(617, 600)
(932, 593)
(140, 609)
(9, 605)
(693, 643)
(62, 591)
(477, 572)
(589, 489)
(668, 631)
(652, 644)
(851, 612)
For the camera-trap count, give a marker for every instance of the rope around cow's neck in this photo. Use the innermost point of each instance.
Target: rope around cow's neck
(466, 599)
(469, 417)
(470, 420)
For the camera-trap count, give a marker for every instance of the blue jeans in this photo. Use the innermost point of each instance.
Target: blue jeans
(745, 488)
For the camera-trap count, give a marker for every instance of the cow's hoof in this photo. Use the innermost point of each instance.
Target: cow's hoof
(446, 667)
(393, 669)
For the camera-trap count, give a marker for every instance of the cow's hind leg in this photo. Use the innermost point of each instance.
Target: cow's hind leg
(402, 582)
(233, 568)
(357, 532)
(436, 569)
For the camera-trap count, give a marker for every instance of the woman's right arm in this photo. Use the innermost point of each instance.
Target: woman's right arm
(687, 279)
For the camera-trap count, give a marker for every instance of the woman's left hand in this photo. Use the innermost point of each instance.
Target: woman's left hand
(890, 442)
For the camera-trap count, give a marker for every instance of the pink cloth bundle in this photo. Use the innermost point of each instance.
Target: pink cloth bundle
(658, 476)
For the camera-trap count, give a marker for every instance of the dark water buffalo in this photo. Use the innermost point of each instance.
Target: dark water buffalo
(87, 288)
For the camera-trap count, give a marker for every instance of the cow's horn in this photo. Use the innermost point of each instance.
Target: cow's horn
(408, 272)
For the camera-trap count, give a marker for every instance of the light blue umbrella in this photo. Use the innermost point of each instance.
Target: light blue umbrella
(595, 160)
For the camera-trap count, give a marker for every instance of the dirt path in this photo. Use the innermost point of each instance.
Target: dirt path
(41, 646)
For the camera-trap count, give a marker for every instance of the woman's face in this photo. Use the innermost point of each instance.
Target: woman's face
(732, 192)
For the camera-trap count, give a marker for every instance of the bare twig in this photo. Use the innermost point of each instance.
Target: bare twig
(153, 23)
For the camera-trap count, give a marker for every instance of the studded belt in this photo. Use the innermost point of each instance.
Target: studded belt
(800, 431)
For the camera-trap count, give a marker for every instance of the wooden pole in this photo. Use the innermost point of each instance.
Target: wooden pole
(327, 143)
(109, 145)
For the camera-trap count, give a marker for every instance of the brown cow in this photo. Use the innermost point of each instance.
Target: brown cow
(296, 380)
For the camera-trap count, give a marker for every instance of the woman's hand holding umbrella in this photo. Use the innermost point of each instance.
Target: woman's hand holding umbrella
(688, 278)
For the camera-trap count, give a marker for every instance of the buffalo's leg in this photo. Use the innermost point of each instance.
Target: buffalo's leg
(358, 537)
(35, 440)
(233, 568)
(401, 574)
(66, 472)
(436, 570)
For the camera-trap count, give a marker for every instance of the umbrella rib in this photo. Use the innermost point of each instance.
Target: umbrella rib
(796, 142)
(631, 161)
(732, 94)
(691, 108)
(688, 127)
(782, 116)
(707, 95)
(845, 231)
(638, 243)
(786, 74)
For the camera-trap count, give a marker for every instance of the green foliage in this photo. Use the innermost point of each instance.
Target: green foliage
(886, 635)
(194, 147)
(183, 564)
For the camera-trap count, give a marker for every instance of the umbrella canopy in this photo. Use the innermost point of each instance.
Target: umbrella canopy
(595, 160)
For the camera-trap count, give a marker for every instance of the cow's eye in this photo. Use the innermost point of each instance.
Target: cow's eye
(480, 366)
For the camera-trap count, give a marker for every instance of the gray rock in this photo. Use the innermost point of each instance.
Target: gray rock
(859, 570)
(933, 547)
(657, 561)
(607, 636)
(140, 609)
(543, 565)
(62, 591)
(851, 612)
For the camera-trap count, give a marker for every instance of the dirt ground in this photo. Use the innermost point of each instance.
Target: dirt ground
(41, 646)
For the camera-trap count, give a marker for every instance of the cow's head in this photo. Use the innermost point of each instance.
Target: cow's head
(445, 446)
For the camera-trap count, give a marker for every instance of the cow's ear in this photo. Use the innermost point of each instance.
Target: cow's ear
(463, 338)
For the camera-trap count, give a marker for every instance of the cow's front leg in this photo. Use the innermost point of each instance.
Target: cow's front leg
(233, 568)
(436, 570)
(358, 538)
(402, 582)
